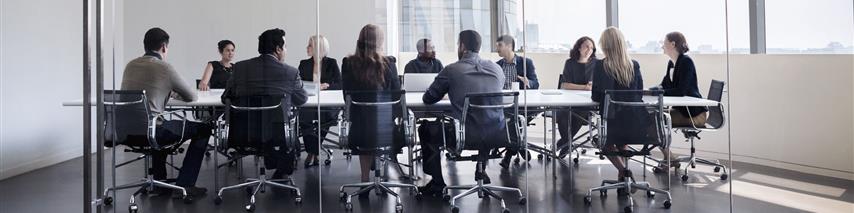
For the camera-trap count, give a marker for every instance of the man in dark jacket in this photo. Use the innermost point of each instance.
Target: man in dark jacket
(268, 74)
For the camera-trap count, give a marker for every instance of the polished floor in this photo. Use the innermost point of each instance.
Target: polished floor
(58, 188)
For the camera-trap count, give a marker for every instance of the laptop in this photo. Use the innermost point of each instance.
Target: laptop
(310, 87)
(418, 82)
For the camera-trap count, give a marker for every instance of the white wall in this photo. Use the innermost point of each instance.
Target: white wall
(40, 65)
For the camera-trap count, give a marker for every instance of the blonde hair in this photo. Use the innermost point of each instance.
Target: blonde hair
(617, 62)
(321, 47)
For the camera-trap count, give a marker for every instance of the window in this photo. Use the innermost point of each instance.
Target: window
(819, 26)
(441, 21)
(555, 25)
(703, 22)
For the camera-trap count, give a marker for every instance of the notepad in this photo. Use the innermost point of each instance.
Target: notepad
(551, 92)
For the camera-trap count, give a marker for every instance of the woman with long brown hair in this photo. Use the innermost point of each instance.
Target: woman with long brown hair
(366, 70)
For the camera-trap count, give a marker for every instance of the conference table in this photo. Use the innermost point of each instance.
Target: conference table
(529, 100)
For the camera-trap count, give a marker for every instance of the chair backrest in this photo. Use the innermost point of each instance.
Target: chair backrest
(483, 122)
(630, 119)
(376, 120)
(257, 123)
(127, 118)
(716, 117)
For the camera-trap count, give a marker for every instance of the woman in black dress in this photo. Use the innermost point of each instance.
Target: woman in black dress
(328, 76)
(217, 73)
(366, 70)
(577, 75)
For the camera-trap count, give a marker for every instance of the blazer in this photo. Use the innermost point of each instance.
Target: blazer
(683, 83)
(329, 72)
(265, 75)
(520, 71)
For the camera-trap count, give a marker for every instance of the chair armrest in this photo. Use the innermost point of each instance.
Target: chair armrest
(152, 126)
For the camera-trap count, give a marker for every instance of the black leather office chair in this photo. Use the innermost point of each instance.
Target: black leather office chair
(715, 121)
(258, 126)
(477, 131)
(376, 122)
(627, 119)
(128, 123)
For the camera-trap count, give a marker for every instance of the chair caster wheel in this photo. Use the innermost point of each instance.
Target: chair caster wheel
(133, 208)
(601, 157)
(717, 169)
(218, 200)
(398, 208)
(343, 196)
(250, 208)
(506, 210)
(603, 193)
(207, 154)
(656, 170)
(327, 162)
(419, 196)
(446, 198)
(693, 166)
(188, 200)
(523, 201)
(667, 204)
(539, 156)
(516, 161)
(584, 151)
(627, 209)
(575, 161)
(650, 194)
(684, 177)
(724, 176)
(455, 209)
(348, 207)
(108, 201)
(588, 200)
(298, 200)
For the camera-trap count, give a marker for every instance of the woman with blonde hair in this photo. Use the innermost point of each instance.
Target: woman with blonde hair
(323, 71)
(617, 71)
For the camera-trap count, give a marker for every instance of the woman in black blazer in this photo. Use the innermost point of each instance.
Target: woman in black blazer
(681, 80)
(330, 79)
(367, 70)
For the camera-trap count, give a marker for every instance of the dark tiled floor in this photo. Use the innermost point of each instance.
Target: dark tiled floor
(58, 188)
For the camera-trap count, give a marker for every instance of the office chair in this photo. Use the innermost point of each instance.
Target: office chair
(715, 121)
(122, 109)
(482, 132)
(376, 122)
(626, 120)
(259, 126)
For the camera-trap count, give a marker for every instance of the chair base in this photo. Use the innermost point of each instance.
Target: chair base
(629, 185)
(259, 184)
(145, 185)
(692, 161)
(482, 190)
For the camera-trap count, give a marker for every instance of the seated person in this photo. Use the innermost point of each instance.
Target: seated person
(217, 73)
(159, 80)
(426, 61)
(328, 76)
(515, 68)
(617, 71)
(680, 80)
(470, 74)
(577, 75)
(367, 70)
(268, 74)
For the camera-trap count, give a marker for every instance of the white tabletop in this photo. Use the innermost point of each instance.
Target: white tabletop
(533, 98)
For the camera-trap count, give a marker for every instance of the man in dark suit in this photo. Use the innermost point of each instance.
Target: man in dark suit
(268, 74)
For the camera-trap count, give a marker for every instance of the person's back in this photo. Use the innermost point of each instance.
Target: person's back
(264, 75)
(158, 79)
(469, 75)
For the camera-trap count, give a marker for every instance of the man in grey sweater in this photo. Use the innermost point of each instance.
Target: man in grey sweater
(470, 74)
(160, 81)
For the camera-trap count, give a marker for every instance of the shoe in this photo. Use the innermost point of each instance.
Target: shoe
(662, 167)
(192, 191)
(484, 176)
(311, 161)
(505, 162)
(432, 189)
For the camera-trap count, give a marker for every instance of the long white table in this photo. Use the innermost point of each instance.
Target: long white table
(532, 98)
